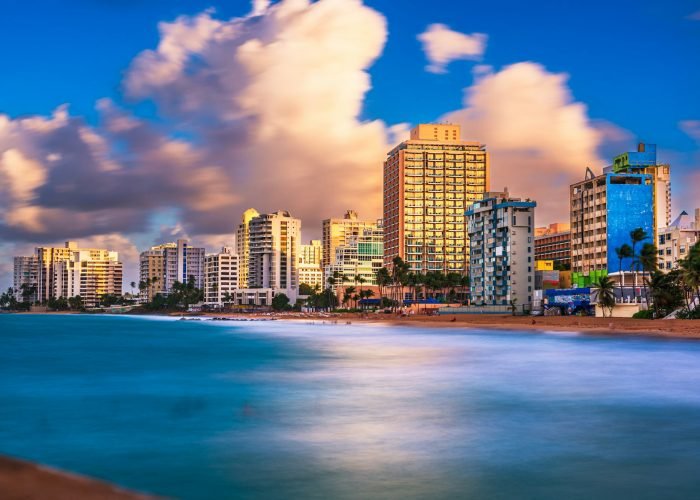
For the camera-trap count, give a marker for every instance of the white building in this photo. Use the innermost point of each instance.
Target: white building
(26, 273)
(243, 245)
(274, 253)
(501, 235)
(89, 274)
(675, 241)
(310, 272)
(220, 276)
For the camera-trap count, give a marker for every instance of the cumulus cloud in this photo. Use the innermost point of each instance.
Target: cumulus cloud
(275, 97)
(443, 45)
(539, 139)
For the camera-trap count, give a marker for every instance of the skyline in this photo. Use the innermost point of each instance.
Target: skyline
(196, 136)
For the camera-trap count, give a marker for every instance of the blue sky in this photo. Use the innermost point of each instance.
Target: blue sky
(634, 63)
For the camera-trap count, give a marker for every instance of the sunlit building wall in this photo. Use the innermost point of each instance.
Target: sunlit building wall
(430, 181)
(89, 274)
(220, 276)
(341, 231)
(243, 245)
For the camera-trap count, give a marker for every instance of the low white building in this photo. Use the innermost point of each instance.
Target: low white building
(254, 297)
(676, 240)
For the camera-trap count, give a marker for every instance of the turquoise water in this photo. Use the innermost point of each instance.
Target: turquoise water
(293, 410)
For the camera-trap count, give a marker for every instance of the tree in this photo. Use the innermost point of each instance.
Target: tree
(360, 281)
(383, 280)
(667, 292)
(606, 294)
(348, 295)
(648, 261)
(280, 302)
(637, 236)
(305, 289)
(227, 298)
(513, 306)
(623, 252)
(76, 303)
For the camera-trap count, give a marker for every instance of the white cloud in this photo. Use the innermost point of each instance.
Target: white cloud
(443, 45)
(539, 139)
(691, 128)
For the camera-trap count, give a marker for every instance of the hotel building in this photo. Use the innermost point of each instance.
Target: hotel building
(362, 256)
(310, 258)
(274, 241)
(674, 241)
(26, 273)
(339, 232)
(643, 161)
(220, 276)
(243, 246)
(430, 181)
(90, 274)
(553, 243)
(168, 263)
(604, 210)
(501, 238)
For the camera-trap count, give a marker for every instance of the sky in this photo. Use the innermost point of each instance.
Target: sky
(126, 123)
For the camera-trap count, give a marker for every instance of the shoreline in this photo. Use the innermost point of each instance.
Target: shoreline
(21, 479)
(608, 327)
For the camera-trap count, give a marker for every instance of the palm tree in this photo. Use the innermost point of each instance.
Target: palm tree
(648, 260)
(361, 281)
(383, 280)
(606, 294)
(623, 252)
(637, 236)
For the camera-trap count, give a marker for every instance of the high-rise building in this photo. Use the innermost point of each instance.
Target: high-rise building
(243, 246)
(501, 236)
(674, 242)
(310, 257)
(605, 209)
(162, 265)
(361, 256)
(47, 257)
(220, 276)
(89, 274)
(338, 232)
(430, 181)
(643, 161)
(553, 243)
(274, 253)
(69, 271)
(26, 278)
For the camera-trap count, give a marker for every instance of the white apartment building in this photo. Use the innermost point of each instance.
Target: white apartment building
(26, 273)
(89, 274)
(274, 253)
(310, 257)
(243, 245)
(675, 241)
(221, 276)
(502, 250)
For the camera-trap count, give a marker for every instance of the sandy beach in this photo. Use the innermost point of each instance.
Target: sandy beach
(686, 329)
(20, 480)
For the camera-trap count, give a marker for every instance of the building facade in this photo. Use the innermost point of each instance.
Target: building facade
(310, 271)
(430, 181)
(26, 278)
(361, 256)
(643, 161)
(243, 246)
(221, 276)
(89, 274)
(674, 242)
(274, 253)
(553, 243)
(604, 210)
(502, 263)
(162, 265)
(340, 231)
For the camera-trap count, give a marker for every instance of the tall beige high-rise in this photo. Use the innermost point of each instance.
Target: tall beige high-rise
(243, 246)
(429, 182)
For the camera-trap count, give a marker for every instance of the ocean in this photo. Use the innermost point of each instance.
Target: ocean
(208, 410)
